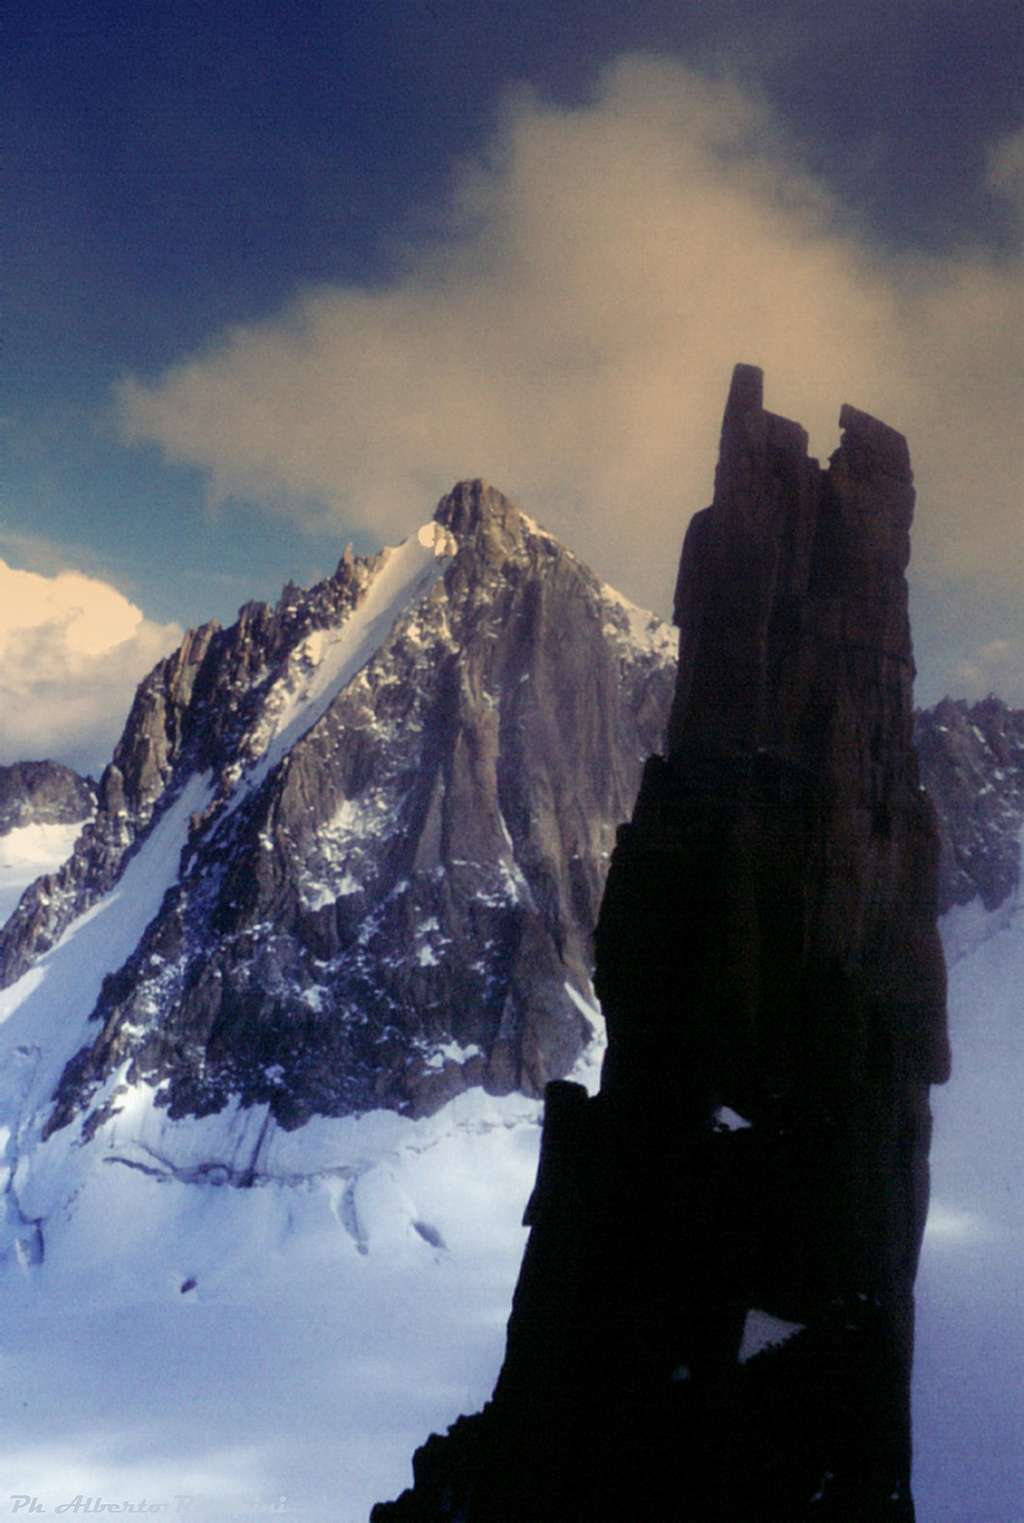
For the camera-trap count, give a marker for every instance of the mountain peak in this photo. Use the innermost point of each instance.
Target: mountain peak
(386, 856)
(470, 504)
(478, 515)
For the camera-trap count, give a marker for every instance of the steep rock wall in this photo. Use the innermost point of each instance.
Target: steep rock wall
(410, 777)
(714, 1318)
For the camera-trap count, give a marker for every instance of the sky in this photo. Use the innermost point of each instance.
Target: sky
(276, 275)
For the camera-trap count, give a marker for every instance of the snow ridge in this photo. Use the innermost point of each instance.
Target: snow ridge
(327, 660)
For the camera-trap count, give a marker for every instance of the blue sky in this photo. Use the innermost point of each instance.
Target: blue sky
(276, 274)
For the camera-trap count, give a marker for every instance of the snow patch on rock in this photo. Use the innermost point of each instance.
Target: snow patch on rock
(29, 851)
(763, 1331)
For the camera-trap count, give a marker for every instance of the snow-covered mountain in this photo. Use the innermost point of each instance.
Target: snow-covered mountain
(970, 1342)
(325, 940)
(372, 825)
(972, 763)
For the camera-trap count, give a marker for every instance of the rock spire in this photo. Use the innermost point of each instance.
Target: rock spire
(714, 1318)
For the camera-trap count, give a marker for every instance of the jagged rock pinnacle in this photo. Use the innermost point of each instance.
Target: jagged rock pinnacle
(869, 440)
(766, 950)
(469, 504)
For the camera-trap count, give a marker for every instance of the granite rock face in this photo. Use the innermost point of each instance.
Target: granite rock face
(972, 762)
(43, 793)
(408, 780)
(714, 1317)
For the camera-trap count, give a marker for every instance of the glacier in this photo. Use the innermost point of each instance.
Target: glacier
(231, 1351)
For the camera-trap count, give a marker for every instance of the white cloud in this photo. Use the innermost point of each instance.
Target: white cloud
(72, 651)
(571, 331)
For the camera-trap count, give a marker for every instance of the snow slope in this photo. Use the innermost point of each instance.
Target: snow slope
(26, 853)
(284, 1347)
(327, 660)
(969, 1417)
(44, 1021)
(293, 1340)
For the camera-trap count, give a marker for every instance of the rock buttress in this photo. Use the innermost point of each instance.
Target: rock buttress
(714, 1317)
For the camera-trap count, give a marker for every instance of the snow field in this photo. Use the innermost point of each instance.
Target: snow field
(28, 852)
(297, 1339)
(968, 1413)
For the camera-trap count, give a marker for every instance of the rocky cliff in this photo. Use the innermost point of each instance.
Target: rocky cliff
(43, 793)
(398, 793)
(972, 762)
(714, 1317)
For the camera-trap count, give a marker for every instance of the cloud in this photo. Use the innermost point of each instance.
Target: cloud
(568, 330)
(997, 667)
(72, 651)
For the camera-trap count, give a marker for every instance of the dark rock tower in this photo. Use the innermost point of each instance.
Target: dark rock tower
(714, 1318)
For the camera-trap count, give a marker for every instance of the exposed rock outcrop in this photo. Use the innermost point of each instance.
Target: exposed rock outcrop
(714, 1318)
(43, 793)
(409, 779)
(972, 762)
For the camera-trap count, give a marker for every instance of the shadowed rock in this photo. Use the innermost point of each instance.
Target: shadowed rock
(43, 793)
(714, 1317)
